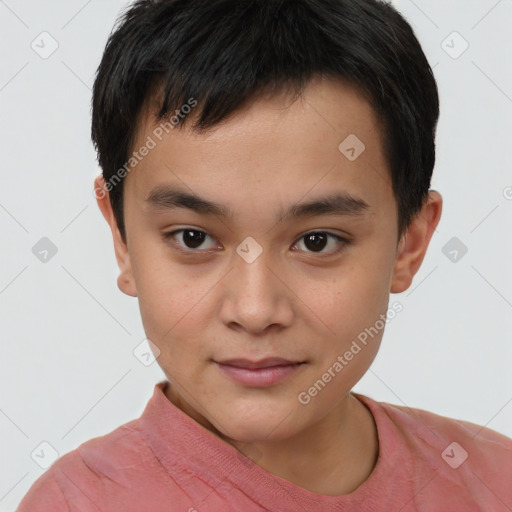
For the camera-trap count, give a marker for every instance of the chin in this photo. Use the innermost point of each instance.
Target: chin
(259, 428)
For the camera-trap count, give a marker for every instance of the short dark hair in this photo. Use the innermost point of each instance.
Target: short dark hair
(225, 53)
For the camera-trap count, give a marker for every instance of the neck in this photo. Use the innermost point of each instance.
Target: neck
(332, 457)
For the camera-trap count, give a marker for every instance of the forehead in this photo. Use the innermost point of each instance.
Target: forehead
(276, 146)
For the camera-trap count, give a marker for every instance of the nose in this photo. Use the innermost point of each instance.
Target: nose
(256, 298)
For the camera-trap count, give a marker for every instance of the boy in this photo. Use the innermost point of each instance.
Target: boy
(266, 171)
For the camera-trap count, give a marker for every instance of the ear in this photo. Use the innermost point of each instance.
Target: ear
(125, 281)
(414, 242)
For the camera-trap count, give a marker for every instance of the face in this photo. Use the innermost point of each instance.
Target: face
(258, 275)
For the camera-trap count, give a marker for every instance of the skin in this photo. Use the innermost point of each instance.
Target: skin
(292, 301)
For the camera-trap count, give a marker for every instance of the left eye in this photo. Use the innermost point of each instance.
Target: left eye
(317, 240)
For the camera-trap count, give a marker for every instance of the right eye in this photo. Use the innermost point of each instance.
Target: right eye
(190, 239)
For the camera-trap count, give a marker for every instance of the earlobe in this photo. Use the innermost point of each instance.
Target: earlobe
(414, 243)
(125, 281)
(126, 284)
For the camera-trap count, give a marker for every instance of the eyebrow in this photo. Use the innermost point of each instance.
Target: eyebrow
(164, 197)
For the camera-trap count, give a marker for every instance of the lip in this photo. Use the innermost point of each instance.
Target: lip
(263, 373)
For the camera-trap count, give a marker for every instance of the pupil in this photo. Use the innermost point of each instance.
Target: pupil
(193, 241)
(320, 241)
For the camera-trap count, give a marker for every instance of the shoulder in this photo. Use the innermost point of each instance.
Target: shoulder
(108, 456)
(94, 466)
(44, 494)
(479, 441)
(457, 459)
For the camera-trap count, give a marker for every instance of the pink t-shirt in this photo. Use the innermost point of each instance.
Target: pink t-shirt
(166, 461)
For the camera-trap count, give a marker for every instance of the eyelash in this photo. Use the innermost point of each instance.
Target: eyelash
(168, 237)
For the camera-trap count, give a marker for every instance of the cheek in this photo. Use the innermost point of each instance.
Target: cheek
(174, 308)
(159, 292)
(350, 309)
(370, 279)
(357, 295)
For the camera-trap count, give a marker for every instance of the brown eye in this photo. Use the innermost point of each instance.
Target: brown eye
(189, 240)
(192, 238)
(316, 241)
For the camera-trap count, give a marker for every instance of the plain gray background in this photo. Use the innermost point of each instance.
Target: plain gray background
(68, 370)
